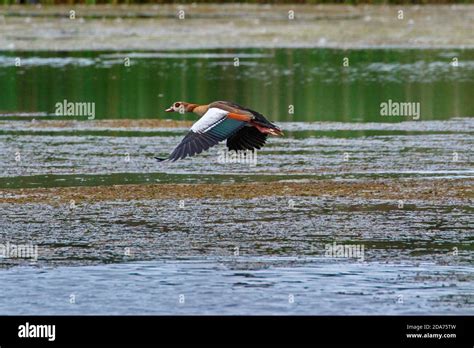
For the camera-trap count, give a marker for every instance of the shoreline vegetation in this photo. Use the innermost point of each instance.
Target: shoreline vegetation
(430, 190)
(155, 27)
(260, 2)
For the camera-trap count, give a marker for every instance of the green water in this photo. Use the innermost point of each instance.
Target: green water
(314, 81)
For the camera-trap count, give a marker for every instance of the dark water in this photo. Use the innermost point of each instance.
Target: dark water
(314, 81)
(138, 257)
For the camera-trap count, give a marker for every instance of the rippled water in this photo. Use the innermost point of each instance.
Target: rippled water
(238, 256)
(231, 286)
(120, 231)
(85, 155)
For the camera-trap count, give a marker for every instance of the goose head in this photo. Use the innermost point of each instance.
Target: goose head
(179, 106)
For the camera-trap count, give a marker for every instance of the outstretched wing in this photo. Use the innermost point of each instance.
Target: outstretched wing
(247, 138)
(213, 127)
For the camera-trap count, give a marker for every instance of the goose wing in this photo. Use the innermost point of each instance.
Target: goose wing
(247, 138)
(213, 127)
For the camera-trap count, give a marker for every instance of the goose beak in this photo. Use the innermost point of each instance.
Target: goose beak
(169, 110)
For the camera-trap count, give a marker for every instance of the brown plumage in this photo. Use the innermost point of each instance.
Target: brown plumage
(243, 128)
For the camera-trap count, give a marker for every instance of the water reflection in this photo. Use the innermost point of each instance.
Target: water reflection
(314, 81)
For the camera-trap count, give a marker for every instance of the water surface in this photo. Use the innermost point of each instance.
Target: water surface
(227, 286)
(314, 81)
(238, 256)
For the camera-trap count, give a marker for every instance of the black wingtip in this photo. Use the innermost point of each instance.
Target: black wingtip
(161, 159)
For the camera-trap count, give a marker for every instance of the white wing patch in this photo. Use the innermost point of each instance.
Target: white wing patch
(212, 117)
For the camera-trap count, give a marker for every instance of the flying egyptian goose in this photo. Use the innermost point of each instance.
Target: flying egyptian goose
(244, 129)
